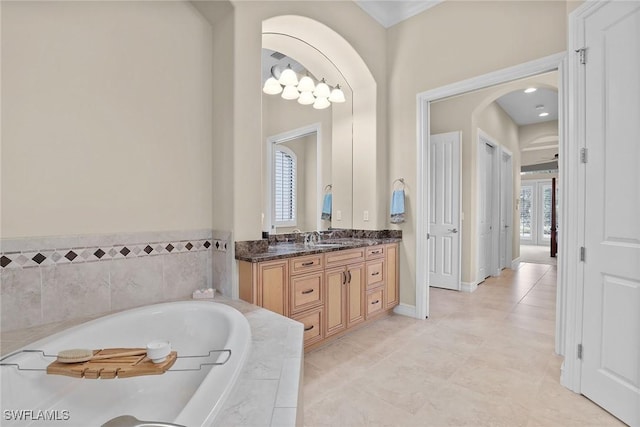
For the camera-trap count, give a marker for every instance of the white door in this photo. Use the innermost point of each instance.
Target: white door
(485, 209)
(506, 209)
(444, 211)
(611, 317)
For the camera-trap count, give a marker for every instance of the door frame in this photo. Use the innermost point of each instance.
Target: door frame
(494, 265)
(558, 62)
(506, 197)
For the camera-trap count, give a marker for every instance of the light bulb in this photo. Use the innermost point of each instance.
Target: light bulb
(322, 90)
(306, 98)
(337, 95)
(306, 84)
(290, 92)
(272, 87)
(530, 90)
(321, 103)
(288, 77)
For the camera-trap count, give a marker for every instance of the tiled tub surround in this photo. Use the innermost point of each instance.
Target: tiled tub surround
(54, 279)
(269, 389)
(281, 246)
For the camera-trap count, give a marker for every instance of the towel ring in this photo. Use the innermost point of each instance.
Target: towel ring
(401, 181)
(327, 188)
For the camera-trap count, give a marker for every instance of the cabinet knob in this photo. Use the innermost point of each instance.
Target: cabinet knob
(307, 264)
(308, 328)
(375, 273)
(308, 291)
(375, 302)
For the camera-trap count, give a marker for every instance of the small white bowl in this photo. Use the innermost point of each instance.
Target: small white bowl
(158, 350)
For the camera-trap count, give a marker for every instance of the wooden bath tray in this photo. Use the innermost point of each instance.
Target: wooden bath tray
(121, 367)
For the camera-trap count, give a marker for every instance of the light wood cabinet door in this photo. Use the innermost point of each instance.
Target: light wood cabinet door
(391, 282)
(335, 301)
(273, 279)
(355, 294)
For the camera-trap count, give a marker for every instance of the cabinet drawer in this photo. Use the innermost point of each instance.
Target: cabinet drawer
(375, 302)
(304, 264)
(313, 325)
(306, 291)
(344, 257)
(375, 273)
(375, 252)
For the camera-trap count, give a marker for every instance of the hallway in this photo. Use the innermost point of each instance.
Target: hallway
(481, 359)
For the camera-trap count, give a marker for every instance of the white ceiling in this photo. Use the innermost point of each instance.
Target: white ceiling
(521, 107)
(390, 12)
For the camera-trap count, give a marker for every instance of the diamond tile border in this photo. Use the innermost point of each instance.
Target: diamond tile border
(77, 255)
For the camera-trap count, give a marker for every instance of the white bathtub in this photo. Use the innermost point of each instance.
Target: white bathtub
(186, 398)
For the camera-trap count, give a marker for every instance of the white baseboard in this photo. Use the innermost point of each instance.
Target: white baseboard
(515, 263)
(468, 286)
(405, 310)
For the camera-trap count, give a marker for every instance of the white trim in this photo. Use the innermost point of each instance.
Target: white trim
(515, 263)
(422, 208)
(508, 254)
(405, 310)
(423, 101)
(469, 286)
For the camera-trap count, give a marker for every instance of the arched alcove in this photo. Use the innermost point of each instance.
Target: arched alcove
(325, 52)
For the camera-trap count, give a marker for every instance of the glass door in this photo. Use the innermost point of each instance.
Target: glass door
(535, 212)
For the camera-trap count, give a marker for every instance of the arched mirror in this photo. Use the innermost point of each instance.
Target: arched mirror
(312, 189)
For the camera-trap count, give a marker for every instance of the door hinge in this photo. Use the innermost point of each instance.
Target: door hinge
(583, 155)
(428, 236)
(580, 351)
(583, 252)
(582, 52)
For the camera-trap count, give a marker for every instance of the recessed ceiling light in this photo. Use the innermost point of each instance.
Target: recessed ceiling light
(530, 90)
(539, 107)
(543, 114)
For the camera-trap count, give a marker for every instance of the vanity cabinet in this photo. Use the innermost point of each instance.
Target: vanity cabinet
(266, 284)
(329, 292)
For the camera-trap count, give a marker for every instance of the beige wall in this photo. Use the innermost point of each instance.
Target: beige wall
(453, 41)
(106, 119)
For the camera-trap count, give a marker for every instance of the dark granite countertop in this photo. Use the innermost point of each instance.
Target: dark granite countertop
(283, 247)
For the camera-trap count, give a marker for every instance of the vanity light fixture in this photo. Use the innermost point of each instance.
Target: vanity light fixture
(272, 86)
(306, 98)
(305, 90)
(288, 77)
(530, 90)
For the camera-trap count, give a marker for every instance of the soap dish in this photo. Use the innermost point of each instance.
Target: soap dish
(204, 293)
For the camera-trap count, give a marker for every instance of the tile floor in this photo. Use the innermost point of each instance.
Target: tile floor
(481, 359)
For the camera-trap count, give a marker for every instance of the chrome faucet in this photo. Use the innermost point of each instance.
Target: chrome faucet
(312, 238)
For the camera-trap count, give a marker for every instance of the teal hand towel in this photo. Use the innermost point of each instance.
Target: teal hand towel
(397, 207)
(326, 207)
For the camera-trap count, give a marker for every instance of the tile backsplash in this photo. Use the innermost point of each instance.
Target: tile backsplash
(52, 279)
